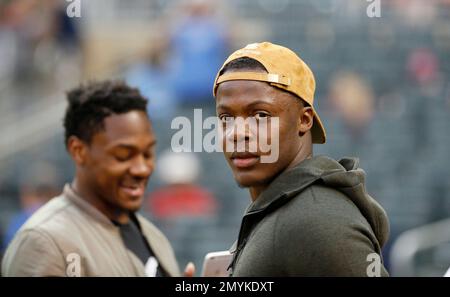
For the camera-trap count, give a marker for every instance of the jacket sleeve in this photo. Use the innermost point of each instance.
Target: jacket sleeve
(327, 237)
(33, 253)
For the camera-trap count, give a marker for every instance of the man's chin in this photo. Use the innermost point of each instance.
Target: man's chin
(134, 208)
(253, 178)
(248, 181)
(131, 205)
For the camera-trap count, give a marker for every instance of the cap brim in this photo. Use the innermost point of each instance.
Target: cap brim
(318, 131)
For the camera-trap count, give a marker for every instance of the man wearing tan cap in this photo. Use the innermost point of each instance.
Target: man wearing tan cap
(309, 215)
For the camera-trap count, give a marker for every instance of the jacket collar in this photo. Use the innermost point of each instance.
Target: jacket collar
(86, 206)
(94, 213)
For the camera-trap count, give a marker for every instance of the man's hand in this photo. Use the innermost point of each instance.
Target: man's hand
(189, 271)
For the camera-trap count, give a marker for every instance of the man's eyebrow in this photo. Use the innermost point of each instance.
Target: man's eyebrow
(223, 106)
(132, 147)
(260, 102)
(152, 143)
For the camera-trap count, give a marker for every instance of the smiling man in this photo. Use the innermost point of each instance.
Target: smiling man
(92, 228)
(309, 215)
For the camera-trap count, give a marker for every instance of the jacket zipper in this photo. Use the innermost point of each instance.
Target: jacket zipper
(241, 246)
(236, 255)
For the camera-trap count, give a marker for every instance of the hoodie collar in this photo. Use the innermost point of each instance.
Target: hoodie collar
(296, 179)
(343, 175)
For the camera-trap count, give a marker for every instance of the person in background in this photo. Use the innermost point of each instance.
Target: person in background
(198, 44)
(150, 75)
(180, 196)
(31, 199)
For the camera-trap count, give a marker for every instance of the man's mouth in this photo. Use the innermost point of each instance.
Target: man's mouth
(244, 159)
(135, 190)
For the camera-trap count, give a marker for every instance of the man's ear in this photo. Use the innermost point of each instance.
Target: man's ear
(77, 149)
(306, 120)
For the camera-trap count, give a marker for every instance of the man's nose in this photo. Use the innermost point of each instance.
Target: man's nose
(142, 167)
(241, 130)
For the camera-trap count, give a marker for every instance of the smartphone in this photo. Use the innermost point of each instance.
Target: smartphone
(216, 264)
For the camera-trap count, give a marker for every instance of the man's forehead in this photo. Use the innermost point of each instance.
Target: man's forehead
(120, 127)
(128, 141)
(243, 86)
(250, 92)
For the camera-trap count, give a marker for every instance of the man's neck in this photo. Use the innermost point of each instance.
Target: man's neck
(303, 154)
(106, 209)
(256, 191)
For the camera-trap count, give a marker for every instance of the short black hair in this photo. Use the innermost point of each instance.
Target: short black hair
(246, 63)
(90, 104)
(243, 63)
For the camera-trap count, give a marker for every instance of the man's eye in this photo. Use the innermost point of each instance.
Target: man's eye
(122, 156)
(226, 118)
(259, 115)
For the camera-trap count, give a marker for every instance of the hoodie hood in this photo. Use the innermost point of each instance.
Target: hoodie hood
(343, 175)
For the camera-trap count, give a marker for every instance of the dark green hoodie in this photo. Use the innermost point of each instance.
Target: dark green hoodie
(315, 219)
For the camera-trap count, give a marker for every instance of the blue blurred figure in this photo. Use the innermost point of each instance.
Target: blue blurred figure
(198, 46)
(31, 199)
(150, 75)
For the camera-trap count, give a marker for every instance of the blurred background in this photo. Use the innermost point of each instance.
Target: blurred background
(383, 92)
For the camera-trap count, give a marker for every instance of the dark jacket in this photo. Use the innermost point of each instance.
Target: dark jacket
(315, 219)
